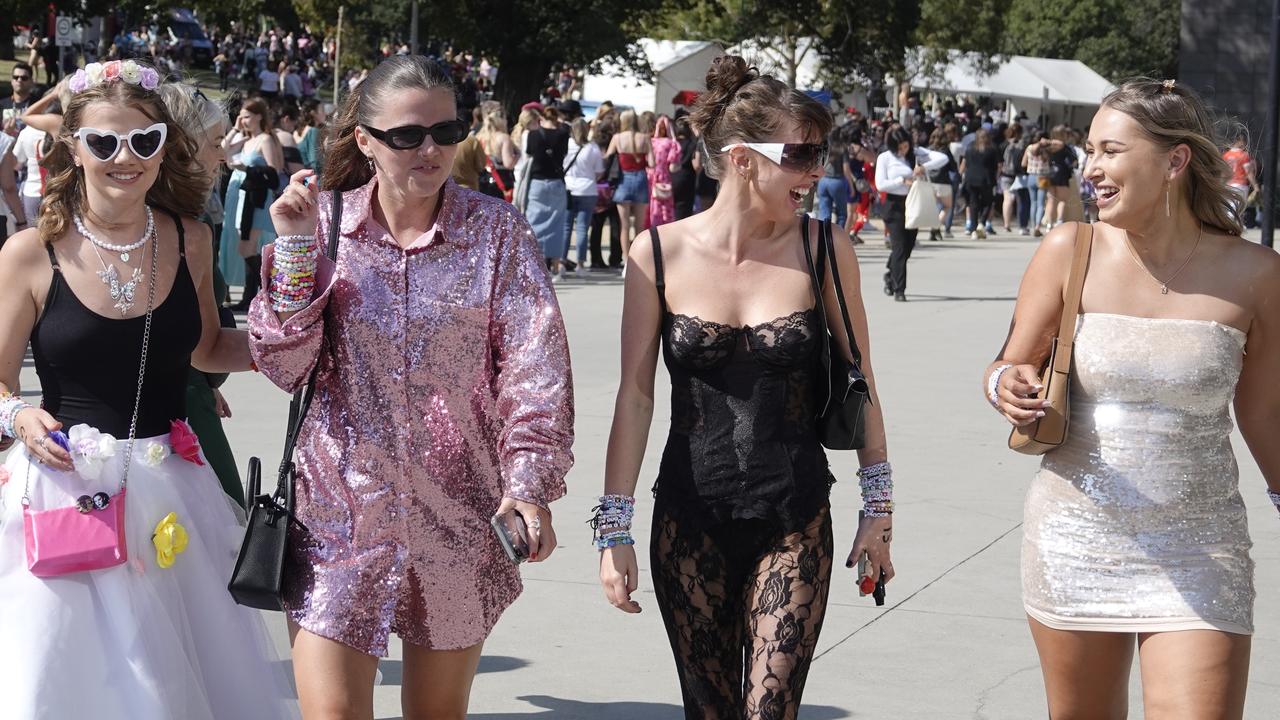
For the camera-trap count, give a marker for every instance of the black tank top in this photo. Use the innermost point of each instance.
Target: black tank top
(743, 442)
(88, 364)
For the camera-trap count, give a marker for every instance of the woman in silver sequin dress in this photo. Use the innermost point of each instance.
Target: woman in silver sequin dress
(1135, 531)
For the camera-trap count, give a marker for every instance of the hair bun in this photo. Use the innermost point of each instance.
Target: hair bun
(727, 75)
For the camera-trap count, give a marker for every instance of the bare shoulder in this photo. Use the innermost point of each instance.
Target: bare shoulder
(1252, 265)
(23, 252)
(640, 254)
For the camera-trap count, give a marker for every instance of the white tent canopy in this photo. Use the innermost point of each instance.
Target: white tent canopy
(1065, 82)
(677, 65)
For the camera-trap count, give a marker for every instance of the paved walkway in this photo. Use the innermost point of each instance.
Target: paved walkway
(952, 640)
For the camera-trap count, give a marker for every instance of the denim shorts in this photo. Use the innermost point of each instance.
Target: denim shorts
(633, 189)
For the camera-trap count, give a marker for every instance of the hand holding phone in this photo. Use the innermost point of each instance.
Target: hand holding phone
(512, 534)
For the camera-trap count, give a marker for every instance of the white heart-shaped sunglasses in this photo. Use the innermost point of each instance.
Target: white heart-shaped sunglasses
(104, 145)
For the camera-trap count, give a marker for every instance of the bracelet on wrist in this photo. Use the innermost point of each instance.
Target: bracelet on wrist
(612, 515)
(876, 482)
(613, 539)
(993, 384)
(1274, 497)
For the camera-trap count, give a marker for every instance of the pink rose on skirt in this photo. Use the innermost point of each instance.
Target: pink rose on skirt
(4, 475)
(184, 442)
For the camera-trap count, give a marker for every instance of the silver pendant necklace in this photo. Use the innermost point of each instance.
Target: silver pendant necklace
(123, 250)
(122, 292)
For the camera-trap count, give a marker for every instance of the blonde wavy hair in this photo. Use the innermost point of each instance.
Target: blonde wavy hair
(1172, 114)
(180, 187)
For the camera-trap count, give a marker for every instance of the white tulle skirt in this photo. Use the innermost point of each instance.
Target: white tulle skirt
(136, 641)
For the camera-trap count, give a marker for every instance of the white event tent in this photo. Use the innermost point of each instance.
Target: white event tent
(678, 66)
(1058, 90)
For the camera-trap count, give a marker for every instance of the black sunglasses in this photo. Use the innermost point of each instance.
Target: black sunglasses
(411, 137)
(22, 78)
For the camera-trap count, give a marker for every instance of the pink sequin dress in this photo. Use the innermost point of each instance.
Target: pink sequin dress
(443, 385)
(666, 151)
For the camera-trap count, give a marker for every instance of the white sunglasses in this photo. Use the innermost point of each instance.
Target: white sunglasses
(797, 157)
(104, 145)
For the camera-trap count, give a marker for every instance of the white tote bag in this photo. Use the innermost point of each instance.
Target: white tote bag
(922, 206)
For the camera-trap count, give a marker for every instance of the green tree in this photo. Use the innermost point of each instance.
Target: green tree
(1118, 38)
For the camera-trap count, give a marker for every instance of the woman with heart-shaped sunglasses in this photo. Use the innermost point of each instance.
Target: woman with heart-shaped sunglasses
(125, 615)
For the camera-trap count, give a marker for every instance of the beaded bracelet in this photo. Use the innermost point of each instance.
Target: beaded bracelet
(876, 482)
(293, 272)
(10, 406)
(993, 384)
(614, 513)
(614, 539)
(1275, 498)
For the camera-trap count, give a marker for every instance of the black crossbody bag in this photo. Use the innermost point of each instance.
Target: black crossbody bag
(842, 410)
(259, 572)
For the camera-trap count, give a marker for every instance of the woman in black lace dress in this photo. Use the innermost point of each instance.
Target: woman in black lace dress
(741, 546)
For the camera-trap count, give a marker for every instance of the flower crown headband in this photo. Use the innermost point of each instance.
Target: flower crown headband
(95, 74)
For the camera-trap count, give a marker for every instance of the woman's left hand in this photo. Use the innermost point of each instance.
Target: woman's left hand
(919, 171)
(873, 538)
(542, 536)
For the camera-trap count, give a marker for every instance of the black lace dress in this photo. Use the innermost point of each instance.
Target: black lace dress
(742, 546)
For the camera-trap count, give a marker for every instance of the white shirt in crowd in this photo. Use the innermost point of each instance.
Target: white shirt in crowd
(580, 175)
(892, 171)
(6, 142)
(27, 152)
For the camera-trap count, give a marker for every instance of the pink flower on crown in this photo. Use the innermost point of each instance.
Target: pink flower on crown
(79, 81)
(111, 71)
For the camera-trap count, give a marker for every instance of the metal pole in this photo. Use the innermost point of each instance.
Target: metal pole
(1270, 164)
(337, 58)
(413, 28)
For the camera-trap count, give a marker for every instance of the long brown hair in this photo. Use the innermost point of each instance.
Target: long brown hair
(346, 168)
(1172, 114)
(180, 187)
(740, 104)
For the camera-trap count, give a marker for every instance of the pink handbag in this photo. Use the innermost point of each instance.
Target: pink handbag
(90, 534)
(72, 539)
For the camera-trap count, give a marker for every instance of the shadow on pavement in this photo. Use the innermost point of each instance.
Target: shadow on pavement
(578, 710)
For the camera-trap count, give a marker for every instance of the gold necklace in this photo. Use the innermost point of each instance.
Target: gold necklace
(1164, 284)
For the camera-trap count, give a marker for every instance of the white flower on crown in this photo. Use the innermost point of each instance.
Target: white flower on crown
(94, 71)
(90, 450)
(130, 72)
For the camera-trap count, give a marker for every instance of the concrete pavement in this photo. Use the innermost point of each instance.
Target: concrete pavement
(951, 642)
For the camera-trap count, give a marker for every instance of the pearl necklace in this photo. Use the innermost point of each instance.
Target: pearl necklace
(124, 250)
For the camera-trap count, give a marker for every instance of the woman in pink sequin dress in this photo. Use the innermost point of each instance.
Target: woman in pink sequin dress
(443, 395)
(666, 157)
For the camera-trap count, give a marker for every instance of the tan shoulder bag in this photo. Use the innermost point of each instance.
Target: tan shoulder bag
(1050, 431)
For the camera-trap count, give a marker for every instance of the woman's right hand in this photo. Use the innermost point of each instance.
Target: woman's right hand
(1016, 395)
(618, 576)
(295, 211)
(33, 426)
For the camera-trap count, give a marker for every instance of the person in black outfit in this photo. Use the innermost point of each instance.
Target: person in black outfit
(606, 210)
(684, 180)
(979, 172)
(742, 548)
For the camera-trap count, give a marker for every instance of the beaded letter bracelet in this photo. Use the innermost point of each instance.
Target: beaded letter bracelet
(611, 524)
(10, 406)
(993, 384)
(293, 272)
(877, 490)
(1275, 498)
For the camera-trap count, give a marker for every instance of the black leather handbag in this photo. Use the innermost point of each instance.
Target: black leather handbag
(842, 407)
(259, 572)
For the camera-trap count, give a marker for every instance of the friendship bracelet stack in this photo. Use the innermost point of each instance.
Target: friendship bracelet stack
(877, 490)
(10, 406)
(1275, 498)
(612, 522)
(293, 272)
(993, 384)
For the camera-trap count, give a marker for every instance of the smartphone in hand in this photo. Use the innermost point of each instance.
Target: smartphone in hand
(512, 534)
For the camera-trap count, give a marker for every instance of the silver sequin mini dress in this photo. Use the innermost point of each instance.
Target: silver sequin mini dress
(1136, 523)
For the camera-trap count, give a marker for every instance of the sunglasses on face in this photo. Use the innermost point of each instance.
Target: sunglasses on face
(104, 145)
(22, 78)
(796, 157)
(411, 137)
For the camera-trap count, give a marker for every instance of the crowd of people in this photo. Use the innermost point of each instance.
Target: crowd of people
(450, 229)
